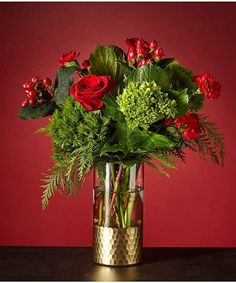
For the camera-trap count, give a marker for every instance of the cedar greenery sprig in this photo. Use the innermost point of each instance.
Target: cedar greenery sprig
(211, 142)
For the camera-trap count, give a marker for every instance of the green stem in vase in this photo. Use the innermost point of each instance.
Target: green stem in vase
(100, 212)
(130, 207)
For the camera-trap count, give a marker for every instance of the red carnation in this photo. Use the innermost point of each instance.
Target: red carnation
(191, 133)
(188, 119)
(67, 58)
(90, 89)
(208, 86)
(191, 122)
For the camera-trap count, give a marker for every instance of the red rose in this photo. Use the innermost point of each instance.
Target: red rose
(67, 58)
(90, 89)
(208, 86)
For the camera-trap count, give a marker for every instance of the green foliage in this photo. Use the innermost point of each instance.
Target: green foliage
(37, 111)
(160, 160)
(163, 63)
(144, 103)
(150, 73)
(181, 78)
(211, 142)
(132, 145)
(196, 101)
(112, 109)
(109, 61)
(64, 80)
(78, 136)
(181, 98)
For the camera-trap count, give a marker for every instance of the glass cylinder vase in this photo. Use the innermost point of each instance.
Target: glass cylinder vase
(118, 214)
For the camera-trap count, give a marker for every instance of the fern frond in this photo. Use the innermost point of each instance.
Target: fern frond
(53, 181)
(156, 167)
(211, 142)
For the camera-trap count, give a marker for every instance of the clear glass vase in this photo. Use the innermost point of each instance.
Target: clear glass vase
(118, 213)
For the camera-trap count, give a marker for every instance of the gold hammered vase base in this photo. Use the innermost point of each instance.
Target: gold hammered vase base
(117, 246)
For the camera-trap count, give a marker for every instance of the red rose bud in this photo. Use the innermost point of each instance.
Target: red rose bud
(28, 86)
(41, 101)
(142, 43)
(86, 64)
(208, 86)
(47, 82)
(158, 53)
(191, 133)
(131, 42)
(31, 101)
(24, 103)
(141, 51)
(67, 58)
(25, 85)
(90, 89)
(35, 79)
(153, 45)
(143, 62)
(32, 94)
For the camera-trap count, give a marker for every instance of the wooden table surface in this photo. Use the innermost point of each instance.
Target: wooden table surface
(75, 264)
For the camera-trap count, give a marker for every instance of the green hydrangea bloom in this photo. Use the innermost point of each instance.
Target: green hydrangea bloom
(144, 104)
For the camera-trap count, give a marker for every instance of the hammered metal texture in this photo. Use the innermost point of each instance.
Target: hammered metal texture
(117, 246)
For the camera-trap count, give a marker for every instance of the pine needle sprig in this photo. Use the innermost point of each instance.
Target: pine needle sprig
(53, 182)
(211, 142)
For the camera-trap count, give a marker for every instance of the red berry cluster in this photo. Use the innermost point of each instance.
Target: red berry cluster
(191, 123)
(208, 86)
(140, 52)
(37, 91)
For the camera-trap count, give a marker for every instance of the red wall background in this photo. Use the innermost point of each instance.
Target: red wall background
(196, 206)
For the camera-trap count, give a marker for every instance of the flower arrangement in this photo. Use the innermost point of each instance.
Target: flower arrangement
(121, 107)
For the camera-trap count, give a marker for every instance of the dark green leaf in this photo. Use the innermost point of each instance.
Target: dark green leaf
(108, 149)
(150, 73)
(181, 97)
(37, 111)
(110, 61)
(64, 81)
(112, 109)
(181, 77)
(140, 141)
(196, 101)
(163, 63)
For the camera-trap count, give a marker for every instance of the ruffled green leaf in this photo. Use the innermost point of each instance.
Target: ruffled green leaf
(181, 98)
(150, 73)
(63, 83)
